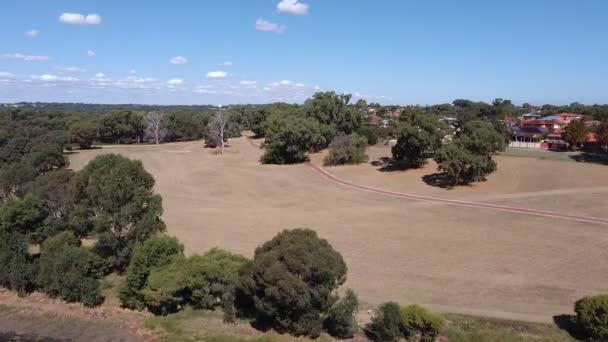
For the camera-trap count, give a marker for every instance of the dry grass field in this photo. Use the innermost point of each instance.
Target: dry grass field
(451, 258)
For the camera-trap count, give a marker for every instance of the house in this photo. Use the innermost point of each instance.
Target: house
(591, 123)
(569, 116)
(550, 124)
(529, 116)
(590, 141)
(510, 121)
(526, 133)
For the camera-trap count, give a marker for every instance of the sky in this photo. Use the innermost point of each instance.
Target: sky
(259, 51)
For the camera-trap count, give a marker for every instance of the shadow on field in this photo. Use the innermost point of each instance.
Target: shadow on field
(591, 157)
(386, 164)
(438, 180)
(566, 323)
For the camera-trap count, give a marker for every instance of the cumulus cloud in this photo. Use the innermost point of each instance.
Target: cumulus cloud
(53, 78)
(178, 60)
(90, 53)
(285, 83)
(217, 74)
(175, 81)
(100, 77)
(80, 19)
(267, 26)
(28, 58)
(228, 64)
(248, 83)
(32, 33)
(316, 87)
(6, 74)
(292, 7)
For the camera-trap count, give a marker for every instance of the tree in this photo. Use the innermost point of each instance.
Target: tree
(386, 324)
(346, 149)
(220, 129)
(288, 138)
(120, 126)
(369, 133)
(290, 284)
(83, 133)
(69, 271)
(340, 321)
(332, 110)
(461, 166)
(575, 133)
(602, 134)
(361, 105)
(16, 268)
(155, 129)
(201, 281)
(419, 323)
(21, 215)
(481, 138)
(113, 197)
(592, 316)
(418, 136)
(157, 251)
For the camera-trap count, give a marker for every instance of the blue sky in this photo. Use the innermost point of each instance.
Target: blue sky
(259, 51)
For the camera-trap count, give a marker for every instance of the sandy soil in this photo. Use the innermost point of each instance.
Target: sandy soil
(453, 259)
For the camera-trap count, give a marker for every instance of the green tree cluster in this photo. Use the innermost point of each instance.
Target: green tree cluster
(413, 322)
(347, 149)
(592, 316)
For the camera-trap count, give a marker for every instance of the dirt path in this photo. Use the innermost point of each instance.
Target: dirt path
(524, 211)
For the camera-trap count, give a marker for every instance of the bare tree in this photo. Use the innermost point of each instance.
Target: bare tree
(155, 126)
(217, 130)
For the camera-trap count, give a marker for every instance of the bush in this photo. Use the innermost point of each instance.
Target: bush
(592, 316)
(370, 133)
(386, 324)
(157, 251)
(340, 321)
(346, 149)
(21, 215)
(288, 138)
(460, 166)
(16, 269)
(201, 281)
(417, 322)
(290, 284)
(69, 271)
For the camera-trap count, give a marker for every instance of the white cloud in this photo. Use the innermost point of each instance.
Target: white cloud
(178, 60)
(133, 71)
(6, 74)
(53, 78)
(80, 19)
(216, 74)
(316, 87)
(292, 7)
(70, 69)
(28, 58)
(283, 83)
(90, 53)
(248, 83)
(227, 64)
(32, 33)
(299, 84)
(175, 81)
(267, 26)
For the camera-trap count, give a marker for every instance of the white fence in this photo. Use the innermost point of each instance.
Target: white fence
(523, 144)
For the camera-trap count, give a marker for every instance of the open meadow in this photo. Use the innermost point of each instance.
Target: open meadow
(451, 258)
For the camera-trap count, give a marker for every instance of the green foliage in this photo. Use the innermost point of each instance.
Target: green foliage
(288, 138)
(120, 126)
(69, 271)
(468, 158)
(290, 284)
(386, 324)
(340, 321)
(186, 124)
(418, 135)
(347, 149)
(575, 133)
(592, 316)
(16, 269)
(83, 133)
(332, 109)
(370, 133)
(113, 196)
(602, 134)
(21, 215)
(157, 251)
(201, 281)
(417, 322)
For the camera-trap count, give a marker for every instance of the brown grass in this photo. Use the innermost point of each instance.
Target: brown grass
(453, 259)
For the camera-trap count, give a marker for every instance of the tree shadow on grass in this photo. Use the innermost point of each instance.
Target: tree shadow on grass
(591, 157)
(567, 323)
(438, 180)
(386, 164)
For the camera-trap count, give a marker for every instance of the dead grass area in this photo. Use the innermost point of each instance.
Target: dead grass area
(453, 259)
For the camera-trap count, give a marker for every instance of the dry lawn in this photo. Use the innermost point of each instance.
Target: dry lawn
(453, 259)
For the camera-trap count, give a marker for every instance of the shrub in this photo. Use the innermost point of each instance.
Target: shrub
(370, 133)
(201, 281)
(386, 324)
(592, 316)
(288, 138)
(21, 215)
(340, 321)
(16, 269)
(461, 166)
(290, 284)
(417, 322)
(69, 271)
(346, 149)
(157, 251)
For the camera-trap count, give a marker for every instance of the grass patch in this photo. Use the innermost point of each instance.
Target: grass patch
(537, 155)
(472, 329)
